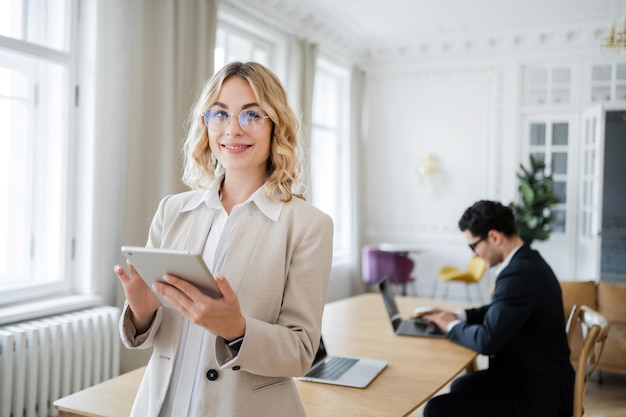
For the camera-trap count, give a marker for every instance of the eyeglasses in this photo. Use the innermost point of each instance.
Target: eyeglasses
(250, 120)
(472, 246)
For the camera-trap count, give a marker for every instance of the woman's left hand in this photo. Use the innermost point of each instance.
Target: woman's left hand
(220, 316)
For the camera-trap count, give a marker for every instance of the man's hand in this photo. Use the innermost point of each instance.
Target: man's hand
(441, 318)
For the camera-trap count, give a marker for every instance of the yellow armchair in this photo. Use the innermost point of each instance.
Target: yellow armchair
(472, 275)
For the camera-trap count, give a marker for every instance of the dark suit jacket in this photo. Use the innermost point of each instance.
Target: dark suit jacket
(523, 332)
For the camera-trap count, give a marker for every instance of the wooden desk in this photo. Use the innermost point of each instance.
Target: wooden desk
(357, 326)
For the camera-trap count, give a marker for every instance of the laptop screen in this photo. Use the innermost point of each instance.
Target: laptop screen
(321, 352)
(390, 303)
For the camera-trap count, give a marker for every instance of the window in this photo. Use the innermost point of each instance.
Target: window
(233, 45)
(329, 159)
(608, 82)
(241, 38)
(548, 141)
(548, 86)
(330, 150)
(36, 104)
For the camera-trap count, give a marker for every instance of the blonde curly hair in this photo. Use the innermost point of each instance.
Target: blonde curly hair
(283, 165)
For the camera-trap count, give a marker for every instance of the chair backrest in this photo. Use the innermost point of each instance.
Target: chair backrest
(594, 328)
(477, 268)
(377, 264)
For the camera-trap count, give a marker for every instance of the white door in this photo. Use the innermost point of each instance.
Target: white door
(590, 196)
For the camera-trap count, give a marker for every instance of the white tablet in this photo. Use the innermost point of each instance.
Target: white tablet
(153, 263)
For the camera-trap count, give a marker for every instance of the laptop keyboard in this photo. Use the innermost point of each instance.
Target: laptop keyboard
(418, 328)
(413, 327)
(332, 369)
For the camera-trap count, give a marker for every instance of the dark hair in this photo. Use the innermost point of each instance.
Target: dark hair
(484, 216)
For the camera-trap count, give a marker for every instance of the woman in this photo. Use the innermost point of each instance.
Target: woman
(235, 355)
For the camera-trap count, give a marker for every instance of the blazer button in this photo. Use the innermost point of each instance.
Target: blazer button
(212, 374)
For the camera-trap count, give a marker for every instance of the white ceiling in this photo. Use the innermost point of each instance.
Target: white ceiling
(378, 26)
(397, 20)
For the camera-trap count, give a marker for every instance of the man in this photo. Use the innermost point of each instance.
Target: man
(522, 329)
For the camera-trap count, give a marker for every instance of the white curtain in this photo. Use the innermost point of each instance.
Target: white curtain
(143, 64)
(358, 129)
(302, 77)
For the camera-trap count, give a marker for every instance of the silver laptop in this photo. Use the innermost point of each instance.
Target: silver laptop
(343, 370)
(406, 327)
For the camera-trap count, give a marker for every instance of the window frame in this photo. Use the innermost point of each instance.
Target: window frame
(555, 92)
(15, 301)
(615, 85)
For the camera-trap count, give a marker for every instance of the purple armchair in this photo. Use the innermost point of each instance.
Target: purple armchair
(377, 264)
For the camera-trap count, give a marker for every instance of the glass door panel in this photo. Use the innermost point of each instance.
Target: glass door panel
(589, 239)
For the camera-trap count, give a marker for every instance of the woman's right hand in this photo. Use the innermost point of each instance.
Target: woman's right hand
(142, 301)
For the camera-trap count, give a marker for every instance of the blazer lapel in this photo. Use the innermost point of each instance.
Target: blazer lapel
(244, 239)
(193, 232)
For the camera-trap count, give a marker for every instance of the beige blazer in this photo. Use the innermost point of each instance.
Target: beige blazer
(280, 271)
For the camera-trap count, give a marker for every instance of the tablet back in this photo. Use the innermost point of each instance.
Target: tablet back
(153, 263)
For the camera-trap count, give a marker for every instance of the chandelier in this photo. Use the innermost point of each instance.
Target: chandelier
(616, 40)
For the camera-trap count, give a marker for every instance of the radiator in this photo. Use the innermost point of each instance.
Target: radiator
(44, 360)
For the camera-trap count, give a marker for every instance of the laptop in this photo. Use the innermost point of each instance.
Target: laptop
(343, 370)
(406, 327)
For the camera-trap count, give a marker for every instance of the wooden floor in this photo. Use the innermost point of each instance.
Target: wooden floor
(607, 399)
(601, 400)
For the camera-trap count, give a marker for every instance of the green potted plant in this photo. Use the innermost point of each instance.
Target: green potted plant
(532, 213)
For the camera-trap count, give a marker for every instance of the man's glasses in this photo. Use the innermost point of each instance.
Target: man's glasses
(473, 245)
(250, 120)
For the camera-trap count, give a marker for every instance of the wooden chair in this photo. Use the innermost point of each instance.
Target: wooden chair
(594, 329)
(472, 275)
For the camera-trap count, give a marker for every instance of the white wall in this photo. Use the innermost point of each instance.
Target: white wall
(454, 112)
(468, 112)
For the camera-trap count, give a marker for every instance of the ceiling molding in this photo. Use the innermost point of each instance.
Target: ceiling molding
(304, 21)
(541, 39)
